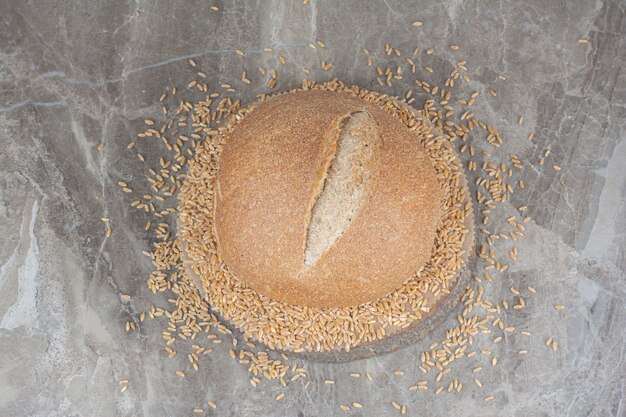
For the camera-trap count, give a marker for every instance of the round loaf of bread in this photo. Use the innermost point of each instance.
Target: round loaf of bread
(325, 200)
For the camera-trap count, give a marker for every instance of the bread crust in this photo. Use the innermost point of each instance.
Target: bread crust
(270, 171)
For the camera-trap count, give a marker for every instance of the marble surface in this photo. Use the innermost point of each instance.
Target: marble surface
(74, 75)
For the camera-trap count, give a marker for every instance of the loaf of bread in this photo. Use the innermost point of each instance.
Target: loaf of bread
(325, 200)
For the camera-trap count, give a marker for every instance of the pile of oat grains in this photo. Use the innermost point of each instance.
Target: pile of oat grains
(298, 329)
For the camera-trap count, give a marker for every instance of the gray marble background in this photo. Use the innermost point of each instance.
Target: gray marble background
(74, 75)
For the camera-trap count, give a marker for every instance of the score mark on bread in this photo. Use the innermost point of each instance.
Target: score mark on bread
(348, 178)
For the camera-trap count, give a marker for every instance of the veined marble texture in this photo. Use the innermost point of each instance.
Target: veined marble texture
(74, 75)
